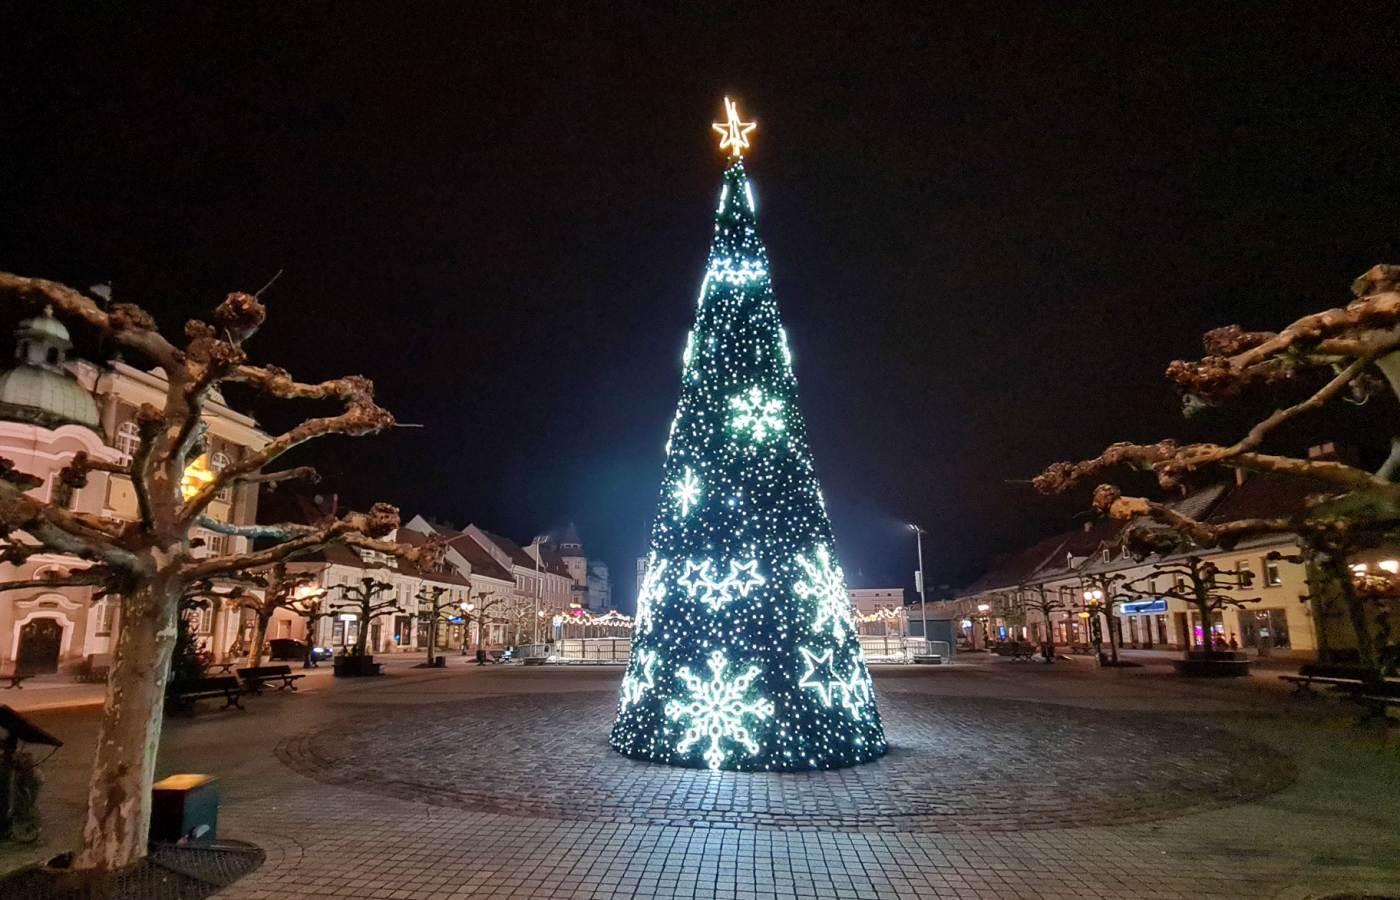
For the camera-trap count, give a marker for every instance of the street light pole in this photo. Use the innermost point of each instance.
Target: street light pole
(923, 598)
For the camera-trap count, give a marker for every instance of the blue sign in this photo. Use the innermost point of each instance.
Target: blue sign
(1145, 606)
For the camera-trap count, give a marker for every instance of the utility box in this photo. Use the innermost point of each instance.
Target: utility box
(185, 807)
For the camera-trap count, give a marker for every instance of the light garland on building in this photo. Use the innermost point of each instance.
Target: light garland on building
(752, 591)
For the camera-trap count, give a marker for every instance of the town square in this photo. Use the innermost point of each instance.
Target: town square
(406, 490)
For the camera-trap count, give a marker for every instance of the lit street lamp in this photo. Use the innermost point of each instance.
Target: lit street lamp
(919, 581)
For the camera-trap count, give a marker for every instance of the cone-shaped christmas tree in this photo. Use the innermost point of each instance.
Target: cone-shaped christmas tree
(745, 654)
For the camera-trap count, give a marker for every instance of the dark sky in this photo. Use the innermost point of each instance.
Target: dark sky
(989, 229)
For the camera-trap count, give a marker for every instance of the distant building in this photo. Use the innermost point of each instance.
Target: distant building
(599, 586)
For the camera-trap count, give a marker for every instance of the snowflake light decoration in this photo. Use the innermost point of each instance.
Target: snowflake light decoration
(715, 710)
(652, 590)
(756, 414)
(686, 493)
(826, 584)
(640, 680)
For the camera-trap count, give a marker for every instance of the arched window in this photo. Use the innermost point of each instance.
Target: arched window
(127, 441)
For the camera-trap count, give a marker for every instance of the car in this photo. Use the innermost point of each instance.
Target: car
(290, 648)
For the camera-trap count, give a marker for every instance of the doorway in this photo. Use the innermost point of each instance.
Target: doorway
(39, 642)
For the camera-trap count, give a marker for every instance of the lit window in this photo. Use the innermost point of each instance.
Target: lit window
(1389, 565)
(104, 617)
(1359, 568)
(217, 463)
(128, 439)
(1272, 576)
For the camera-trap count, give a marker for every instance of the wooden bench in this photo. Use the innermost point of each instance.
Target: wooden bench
(1377, 706)
(1022, 652)
(1302, 684)
(225, 686)
(257, 676)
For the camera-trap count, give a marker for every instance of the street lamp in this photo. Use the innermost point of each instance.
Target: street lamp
(919, 581)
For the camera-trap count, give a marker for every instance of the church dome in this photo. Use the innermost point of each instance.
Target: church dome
(39, 389)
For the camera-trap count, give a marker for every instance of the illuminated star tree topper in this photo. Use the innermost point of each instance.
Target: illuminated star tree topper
(742, 580)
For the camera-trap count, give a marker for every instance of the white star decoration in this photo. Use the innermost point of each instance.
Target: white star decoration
(743, 577)
(757, 414)
(640, 680)
(734, 135)
(853, 690)
(826, 584)
(687, 491)
(652, 590)
(716, 709)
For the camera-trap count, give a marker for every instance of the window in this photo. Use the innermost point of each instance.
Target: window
(216, 544)
(127, 441)
(1272, 576)
(1245, 573)
(1389, 565)
(104, 613)
(217, 463)
(1107, 555)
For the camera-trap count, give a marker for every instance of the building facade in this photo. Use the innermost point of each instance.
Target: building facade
(52, 407)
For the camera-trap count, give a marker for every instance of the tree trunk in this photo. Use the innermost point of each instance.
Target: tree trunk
(255, 647)
(118, 818)
(1356, 611)
(1112, 632)
(1207, 627)
(432, 637)
(1321, 591)
(1048, 651)
(362, 635)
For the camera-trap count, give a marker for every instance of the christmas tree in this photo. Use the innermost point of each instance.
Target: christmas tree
(745, 653)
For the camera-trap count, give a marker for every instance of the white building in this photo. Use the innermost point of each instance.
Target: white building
(51, 408)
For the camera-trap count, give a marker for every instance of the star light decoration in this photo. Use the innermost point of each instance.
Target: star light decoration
(716, 710)
(697, 579)
(640, 680)
(852, 689)
(825, 584)
(734, 134)
(651, 592)
(757, 414)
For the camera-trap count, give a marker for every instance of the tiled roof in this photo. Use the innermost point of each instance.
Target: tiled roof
(414, 539)
(482, 562)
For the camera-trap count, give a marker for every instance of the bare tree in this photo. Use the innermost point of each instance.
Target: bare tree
(311, 605)
(1199, 582)
(148, 561)
(1046, 604)
(435, 607)
(1353, 352)
(364, 600)
(1108, 587)
(479, 612)
(280, 590)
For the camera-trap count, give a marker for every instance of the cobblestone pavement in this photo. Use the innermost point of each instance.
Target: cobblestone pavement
(1018, 763)
(470, 783)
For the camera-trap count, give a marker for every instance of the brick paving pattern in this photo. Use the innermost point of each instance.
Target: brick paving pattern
(1294, 801)
(1018, 765)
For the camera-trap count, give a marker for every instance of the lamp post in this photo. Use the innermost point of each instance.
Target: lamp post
(923, 601)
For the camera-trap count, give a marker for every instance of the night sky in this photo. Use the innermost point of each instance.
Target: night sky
(989, 230)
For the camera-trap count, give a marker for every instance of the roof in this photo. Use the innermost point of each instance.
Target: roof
(414, 539)
(482, 562)
(1014, 569)
(512, 549)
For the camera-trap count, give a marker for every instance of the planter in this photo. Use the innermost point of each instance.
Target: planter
(355, 666)
(1213, 664)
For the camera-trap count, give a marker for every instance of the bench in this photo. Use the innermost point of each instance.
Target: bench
(225, 686)
(1022, 652)
(257, 676)
(1302, 684)
(1377, 706)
